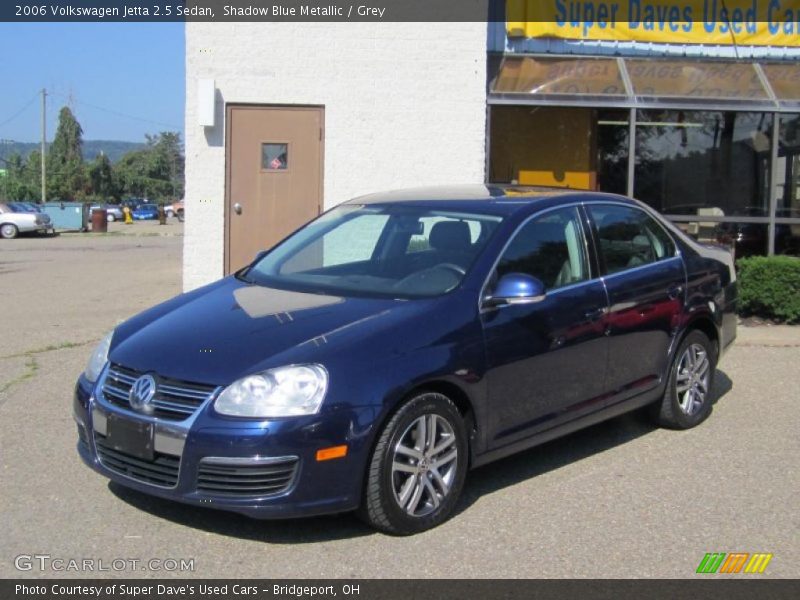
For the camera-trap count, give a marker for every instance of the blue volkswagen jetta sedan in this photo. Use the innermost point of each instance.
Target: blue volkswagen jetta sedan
(378, 353)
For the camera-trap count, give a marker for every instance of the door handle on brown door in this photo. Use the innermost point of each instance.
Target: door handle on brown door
(237, 208)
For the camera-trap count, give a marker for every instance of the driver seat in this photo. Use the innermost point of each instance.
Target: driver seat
(452, 241)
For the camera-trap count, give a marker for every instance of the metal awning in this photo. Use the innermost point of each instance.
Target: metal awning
(646, 83)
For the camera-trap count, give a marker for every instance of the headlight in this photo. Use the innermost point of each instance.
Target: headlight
(98, 358)
(282, 392)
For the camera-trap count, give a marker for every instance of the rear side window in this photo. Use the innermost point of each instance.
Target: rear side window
(550, 248)
(629, 237)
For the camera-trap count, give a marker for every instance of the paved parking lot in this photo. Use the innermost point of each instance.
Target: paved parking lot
(621, 499)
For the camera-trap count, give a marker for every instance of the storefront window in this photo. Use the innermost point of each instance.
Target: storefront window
(577, 148)
(746, 239)
(713, 164)
(613, 132)
(787, 236)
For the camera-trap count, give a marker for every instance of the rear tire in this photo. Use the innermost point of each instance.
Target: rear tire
(8, 231)
(418, 467)
(687, 399)
(110, 218)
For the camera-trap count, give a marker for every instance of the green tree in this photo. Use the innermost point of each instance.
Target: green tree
(103, 179)
(67, 178)
(155, 172)
(22, 180)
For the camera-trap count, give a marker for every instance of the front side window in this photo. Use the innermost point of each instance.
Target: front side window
(550, 248)
(629, 237)
(392, 250)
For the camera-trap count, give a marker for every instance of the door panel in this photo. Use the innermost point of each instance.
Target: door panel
(274, 176)
(646, 283)
(546, 361)
(641, 321)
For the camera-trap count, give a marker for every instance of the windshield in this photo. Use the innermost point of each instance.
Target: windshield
(397, 251)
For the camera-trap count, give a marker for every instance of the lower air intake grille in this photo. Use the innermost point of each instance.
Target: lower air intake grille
(161, 471)
(229, 478)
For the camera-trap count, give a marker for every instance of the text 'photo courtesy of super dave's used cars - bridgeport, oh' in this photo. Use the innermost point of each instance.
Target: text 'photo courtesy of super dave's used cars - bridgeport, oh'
(374, 356)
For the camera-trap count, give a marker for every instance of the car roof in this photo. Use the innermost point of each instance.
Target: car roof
(490, 198)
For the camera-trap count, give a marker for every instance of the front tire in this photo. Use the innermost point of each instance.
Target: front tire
(110, 218)
(418, 467)
(687, 399)
(8, 231)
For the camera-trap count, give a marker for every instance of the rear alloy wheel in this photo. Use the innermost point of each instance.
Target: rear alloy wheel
(110, 218)
(418, 467)
(8, 231)
(687, 399)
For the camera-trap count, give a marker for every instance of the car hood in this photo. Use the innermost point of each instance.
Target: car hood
(229, 329)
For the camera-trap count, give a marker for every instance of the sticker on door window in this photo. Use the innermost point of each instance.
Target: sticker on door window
(274, 157)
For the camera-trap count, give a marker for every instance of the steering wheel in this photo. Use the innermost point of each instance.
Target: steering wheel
(421, 276)
(451, 266)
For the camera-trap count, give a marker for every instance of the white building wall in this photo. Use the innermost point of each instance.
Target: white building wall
(405, 105)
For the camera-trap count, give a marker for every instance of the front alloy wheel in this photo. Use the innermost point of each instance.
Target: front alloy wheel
(424, 465)
(418, 467)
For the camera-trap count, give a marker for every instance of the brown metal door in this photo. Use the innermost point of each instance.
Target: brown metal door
(274, 176)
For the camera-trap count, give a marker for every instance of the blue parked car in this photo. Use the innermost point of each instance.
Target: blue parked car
(145, 212)
(378, 353)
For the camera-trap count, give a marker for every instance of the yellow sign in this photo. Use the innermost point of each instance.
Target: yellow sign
(741, 22)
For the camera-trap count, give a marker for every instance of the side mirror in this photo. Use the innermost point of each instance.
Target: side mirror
(259, 256)
(516, 288)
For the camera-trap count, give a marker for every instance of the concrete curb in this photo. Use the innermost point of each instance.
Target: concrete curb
(776, 336)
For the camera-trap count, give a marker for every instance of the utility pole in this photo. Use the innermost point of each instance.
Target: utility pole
(44, 145)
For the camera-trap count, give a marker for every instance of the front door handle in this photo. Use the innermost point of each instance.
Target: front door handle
(237, 208)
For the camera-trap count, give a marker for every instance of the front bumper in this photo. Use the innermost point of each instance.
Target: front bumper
(316, 487)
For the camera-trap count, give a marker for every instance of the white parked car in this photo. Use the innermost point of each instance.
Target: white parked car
(13, 223)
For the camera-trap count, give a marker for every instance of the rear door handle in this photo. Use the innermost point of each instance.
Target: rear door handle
(674, 291)
(595, 314)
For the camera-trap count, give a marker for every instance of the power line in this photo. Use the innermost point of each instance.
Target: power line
(20, 111)
(115, 112)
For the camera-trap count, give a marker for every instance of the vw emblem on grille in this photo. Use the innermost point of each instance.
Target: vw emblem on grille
(142, 392)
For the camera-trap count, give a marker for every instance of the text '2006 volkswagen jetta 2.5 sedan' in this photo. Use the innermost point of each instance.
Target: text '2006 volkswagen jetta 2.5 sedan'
(375, 355)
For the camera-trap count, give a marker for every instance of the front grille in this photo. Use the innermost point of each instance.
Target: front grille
(162, 470)
(174, 400)
(259, 479)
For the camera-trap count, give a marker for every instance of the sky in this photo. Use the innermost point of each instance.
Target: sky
(124, 79)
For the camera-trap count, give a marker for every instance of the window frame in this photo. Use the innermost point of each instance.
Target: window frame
(263, 169)
(588, 243)
(595, 236)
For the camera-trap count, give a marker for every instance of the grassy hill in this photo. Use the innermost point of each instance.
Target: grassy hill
(114, 149)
